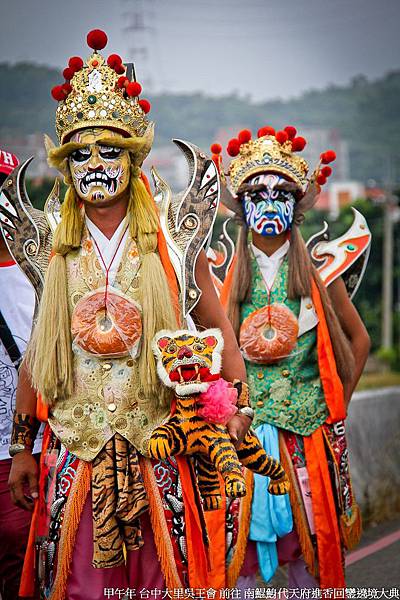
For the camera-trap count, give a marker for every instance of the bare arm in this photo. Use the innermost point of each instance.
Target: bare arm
(24, 469)
(209, 313)
(354, 329)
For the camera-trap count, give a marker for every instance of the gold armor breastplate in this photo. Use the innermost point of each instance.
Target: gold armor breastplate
(107, 396)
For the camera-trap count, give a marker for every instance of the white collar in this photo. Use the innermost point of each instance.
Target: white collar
(273, 258)
(99, 236)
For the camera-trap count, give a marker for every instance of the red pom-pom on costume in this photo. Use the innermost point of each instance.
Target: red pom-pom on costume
(328, 157)
(133, 89)
(321, 179)
(120, 69)
(267, 130)
(68, 73)
(114, 60)
(122, 81)
(244, 136)
(291, 131)
(326, 171)
(233, 147)
(75, 63)
(281, 136)
(216, 148)
(298, 144)
(67, 88)
(145, 106)
(58, 93)
(96, 39)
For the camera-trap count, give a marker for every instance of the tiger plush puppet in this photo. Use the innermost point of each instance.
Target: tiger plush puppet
(188, 362)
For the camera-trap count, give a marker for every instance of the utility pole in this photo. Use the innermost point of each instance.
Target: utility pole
(387, 279)
(390, 216)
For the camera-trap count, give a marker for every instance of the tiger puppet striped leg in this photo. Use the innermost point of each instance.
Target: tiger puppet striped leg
(222, 454)
(253, 456)
(167, 440)
(208, 481)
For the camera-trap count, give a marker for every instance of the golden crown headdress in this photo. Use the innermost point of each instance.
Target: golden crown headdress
(274, 152)
(99, 94)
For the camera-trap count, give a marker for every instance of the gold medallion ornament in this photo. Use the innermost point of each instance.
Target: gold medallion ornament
(269, 334)
(99, 93)
(110, 331)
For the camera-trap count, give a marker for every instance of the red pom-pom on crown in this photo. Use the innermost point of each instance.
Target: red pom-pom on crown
(68, 73)
(58, 93)
(145, 105)
(328, 157)
(233, 147)
(122, 82)
(281, 136)
(67, 88)
(120, 69)
(326, 171)
(96, 39)
(75, 63)
(133, 89)
(244, 136)
(298, 144)
(216, 148)
(267, 130)
(291, 131)
(321, 179)
(114, 61)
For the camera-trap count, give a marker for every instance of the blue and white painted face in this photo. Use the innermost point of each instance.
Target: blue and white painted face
(268, 212)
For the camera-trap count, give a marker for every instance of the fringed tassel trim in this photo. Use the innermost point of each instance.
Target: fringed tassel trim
(72, 516)
(235, 566)
(299, 516)
(351, 528)
(162, 539)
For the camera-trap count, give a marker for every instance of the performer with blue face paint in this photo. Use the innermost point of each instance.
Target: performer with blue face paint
(305, 347)
(268, 209)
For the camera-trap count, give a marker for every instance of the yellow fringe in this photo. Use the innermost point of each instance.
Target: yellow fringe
(351, 528)
(72, 517)
(162, 539)
(299, 516)
(234, 568)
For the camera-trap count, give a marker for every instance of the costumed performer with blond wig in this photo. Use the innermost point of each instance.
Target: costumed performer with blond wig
(106, 517)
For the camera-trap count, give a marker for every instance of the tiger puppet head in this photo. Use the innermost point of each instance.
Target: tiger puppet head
(188, 361)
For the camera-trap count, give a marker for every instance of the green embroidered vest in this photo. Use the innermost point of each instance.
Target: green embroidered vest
(287, 394)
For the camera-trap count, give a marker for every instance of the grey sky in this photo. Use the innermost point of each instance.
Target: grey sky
(263, 48)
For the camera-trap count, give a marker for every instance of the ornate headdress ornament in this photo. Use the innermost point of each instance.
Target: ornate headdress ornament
(99, 94)
(274, 152)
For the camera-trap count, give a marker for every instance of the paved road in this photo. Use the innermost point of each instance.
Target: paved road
(379, 569)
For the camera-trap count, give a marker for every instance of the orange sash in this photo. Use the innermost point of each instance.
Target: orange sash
(331, 574)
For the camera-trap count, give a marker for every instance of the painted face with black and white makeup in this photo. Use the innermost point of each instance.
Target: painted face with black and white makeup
(100, 172)
(268, 212)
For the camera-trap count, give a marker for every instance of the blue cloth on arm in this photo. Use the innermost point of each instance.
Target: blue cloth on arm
(271, 516)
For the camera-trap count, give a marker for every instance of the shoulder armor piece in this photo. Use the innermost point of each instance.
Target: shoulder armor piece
(187, 218)
(25, 229)
(345, 256)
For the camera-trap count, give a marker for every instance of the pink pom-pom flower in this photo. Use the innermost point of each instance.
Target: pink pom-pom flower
(218, 403)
